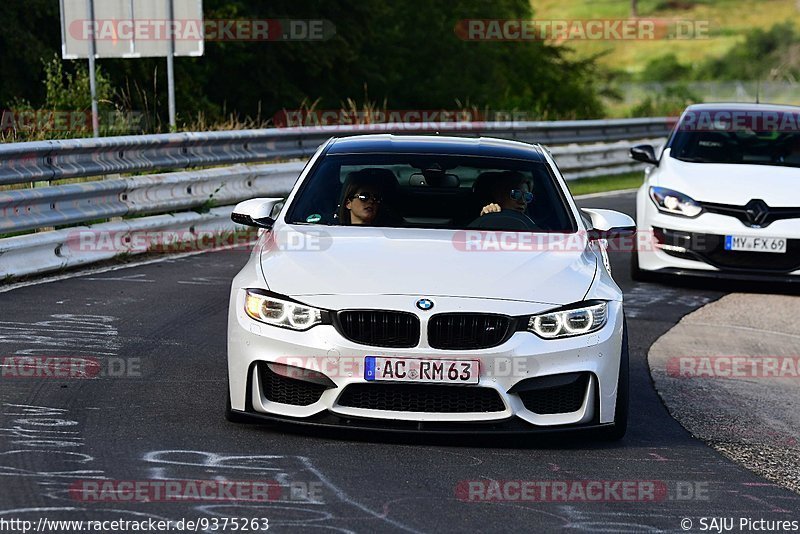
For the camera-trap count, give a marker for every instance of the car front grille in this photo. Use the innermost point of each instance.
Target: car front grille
(767, 216)
(278, 388)
(468, 331)
(422, 398)
(379, 328)
(565, 398)
(710, 248)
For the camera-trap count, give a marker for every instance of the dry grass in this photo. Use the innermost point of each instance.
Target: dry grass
(728, 21)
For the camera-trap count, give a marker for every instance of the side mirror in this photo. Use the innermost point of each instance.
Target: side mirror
(256, 212)
(645, 154)
(608, 224)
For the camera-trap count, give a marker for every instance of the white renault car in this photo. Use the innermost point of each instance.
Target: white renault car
(427, 283)
(723, 197)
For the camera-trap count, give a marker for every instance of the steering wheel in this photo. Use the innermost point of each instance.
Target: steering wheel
(504, 220)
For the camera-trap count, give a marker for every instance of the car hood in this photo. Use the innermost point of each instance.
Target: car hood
(735, 184)
(320, 260)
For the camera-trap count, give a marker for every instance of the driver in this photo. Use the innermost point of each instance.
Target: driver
(367, 199)
(362, 202)
(509, 191)
(793, 155)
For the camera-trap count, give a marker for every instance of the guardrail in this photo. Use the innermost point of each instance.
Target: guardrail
(27, 209)
(207, 189)
(76, 158)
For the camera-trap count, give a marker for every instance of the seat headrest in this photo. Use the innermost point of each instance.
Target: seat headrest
(383, 178)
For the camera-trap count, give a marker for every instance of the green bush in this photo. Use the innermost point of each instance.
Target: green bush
(666, 68)
(763, 55)
(70, 91)
(668, 103)
(66, 111)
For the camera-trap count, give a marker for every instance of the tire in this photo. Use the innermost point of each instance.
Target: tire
(617, 432)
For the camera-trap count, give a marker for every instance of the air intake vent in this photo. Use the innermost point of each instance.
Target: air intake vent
(565, 398)
(278, 388)
(421, 398)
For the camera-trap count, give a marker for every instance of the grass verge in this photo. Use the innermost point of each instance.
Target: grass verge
(727, 21)
(600, 184)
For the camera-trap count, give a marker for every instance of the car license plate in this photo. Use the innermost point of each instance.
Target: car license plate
(381, 369)
(755, 244)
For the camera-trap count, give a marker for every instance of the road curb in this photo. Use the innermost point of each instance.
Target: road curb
(713, 371)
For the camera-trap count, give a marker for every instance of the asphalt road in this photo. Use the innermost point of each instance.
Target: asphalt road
(162, 327)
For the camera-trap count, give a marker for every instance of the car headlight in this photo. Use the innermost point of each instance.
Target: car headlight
(278, 312)
(574, 321)
(673, 202)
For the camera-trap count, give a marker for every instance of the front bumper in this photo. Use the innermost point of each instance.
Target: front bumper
(524, 356)
(695, 247)
(512, 426)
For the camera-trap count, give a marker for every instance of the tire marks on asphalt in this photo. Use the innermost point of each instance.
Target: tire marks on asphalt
(336, 510)
(644, 300)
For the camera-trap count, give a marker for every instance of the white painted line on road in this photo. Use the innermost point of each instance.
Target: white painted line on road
(619, 192)
(129, 278)
(739, 327)
(98, 270)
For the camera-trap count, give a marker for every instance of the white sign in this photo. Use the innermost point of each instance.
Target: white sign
(131, 28)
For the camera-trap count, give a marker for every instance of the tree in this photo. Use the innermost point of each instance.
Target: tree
(405, 53)
(29, 33)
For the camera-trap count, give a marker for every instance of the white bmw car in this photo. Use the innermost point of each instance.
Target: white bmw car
(723, 197)
(426, 283)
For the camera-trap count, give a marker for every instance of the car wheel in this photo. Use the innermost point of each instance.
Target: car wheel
(230, 415)
(617, 432)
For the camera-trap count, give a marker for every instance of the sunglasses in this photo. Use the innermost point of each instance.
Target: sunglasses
(518, 194)
(365, 197)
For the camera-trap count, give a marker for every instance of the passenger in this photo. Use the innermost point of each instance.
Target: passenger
(509, 191)
(361, 203)
(793, 155)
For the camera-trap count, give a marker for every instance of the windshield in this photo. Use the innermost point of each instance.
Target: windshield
(432, 191)
(743, 146)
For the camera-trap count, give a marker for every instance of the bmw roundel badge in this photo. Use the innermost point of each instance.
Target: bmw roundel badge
(424, 304)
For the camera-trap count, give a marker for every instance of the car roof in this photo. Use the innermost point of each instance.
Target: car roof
(435, 144)
(741, 106)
